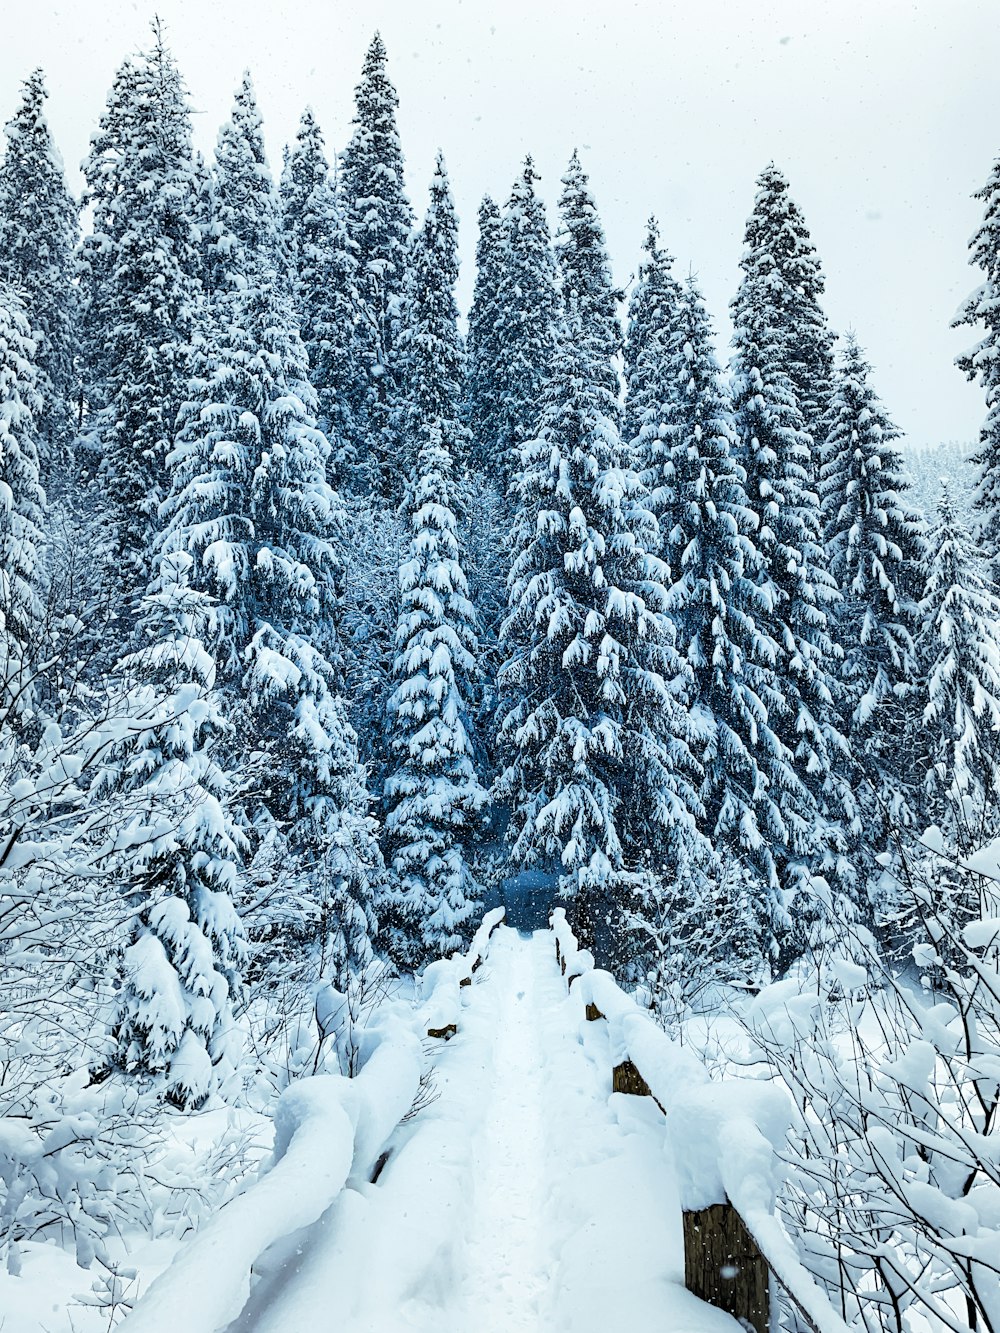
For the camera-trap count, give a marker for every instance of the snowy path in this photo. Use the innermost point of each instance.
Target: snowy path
(505, 1270)
(526, 1197)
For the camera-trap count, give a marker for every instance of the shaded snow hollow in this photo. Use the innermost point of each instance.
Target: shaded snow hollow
(527, 1196)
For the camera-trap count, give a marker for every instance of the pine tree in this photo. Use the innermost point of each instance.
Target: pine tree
(719, 603)
(959, 650)
(652, 314)
(777, 453)
(140, 268)
(245, 204)
(325, 269)
(485, 371)
(585, 271)
(430, 347)
(982, 361)
(786, 293)
(529, 305)
(38, 235)
(181, 969)
(433, 796)
(251, 502)
(595, 730)
(22, 514)
(305, 176)
(379, 221)
(875, 553)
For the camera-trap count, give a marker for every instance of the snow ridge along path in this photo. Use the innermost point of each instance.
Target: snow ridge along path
(527, 1196)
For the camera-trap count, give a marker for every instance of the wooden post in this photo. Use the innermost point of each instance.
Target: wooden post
(723, 1266)
(626, 1078)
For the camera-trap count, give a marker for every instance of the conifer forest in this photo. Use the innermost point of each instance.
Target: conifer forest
(334, 616)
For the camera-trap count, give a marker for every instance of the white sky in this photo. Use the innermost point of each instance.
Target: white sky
(882, 113)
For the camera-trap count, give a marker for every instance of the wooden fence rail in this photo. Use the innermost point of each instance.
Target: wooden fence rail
(735, 1250)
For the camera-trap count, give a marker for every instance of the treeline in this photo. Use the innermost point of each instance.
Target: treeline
(307, 600)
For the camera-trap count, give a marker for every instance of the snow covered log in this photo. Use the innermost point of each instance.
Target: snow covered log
(328, 1131)
(442, 981)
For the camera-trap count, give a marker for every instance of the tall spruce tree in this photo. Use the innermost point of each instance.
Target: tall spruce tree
(433, 796)
(379, 221)
(595, 732)
(22, 515)
(529, 304)
(181, 968)
(982, 361)
(325, 271)
(584, 269)
(777, 453)
(720, 606)
(485, 371)
(780, 254)
(250, 500)
(652, 313)
(38, 235)
(959, 651)
(875, 553)
(430, 348)
(140, 283)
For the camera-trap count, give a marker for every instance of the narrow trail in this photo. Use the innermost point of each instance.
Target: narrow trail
(527, 1198)
(505, 1269)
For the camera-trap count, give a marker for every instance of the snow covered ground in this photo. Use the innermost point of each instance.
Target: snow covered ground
(526, 1196)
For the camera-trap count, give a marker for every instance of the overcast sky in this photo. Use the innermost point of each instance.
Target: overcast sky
(882, 113)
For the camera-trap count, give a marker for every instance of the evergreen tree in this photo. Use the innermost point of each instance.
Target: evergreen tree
(22, 514)
(529, 304)
(982, 361)
(785, 287)
(430, 347)
(777, 454)
(246, 208)
(720, 605)
(875, 553)
(251, 502)
(38, 235)
(486, 527)
(139, 277)
(652, 314)
(585, 271)
(485, 371)
(379, 220)
(433, 796)
(325, 270)
(595, 731)
(304, 176)
(959, 650)
(181, 969)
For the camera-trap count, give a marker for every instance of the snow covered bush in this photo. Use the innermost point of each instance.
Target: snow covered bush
(893, 1190)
